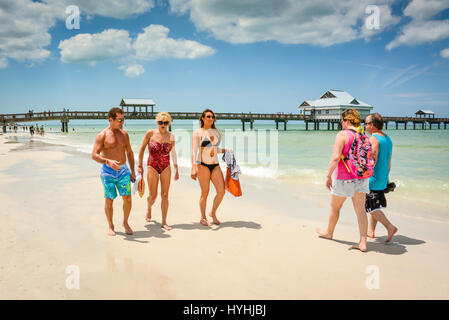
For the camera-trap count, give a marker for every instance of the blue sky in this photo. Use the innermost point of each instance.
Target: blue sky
(234, 56)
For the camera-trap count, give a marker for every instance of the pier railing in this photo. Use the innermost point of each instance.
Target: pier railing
(279, 117)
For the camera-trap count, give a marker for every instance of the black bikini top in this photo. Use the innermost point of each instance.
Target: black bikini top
(207, 143)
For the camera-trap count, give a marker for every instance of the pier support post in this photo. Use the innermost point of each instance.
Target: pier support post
(333, 126)
(414, 125)
(277, 125)
(285, 125)
(307, 126)
(397, 125)
(405, 125)
(386, 125)
(65, 125)
(445, 126)
(251, 124)
(438, 125)
(169, 128)
(339, 126)
(328, 126)
(243, 125)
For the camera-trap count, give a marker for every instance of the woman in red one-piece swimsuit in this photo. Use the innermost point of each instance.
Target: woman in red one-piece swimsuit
(161, 144)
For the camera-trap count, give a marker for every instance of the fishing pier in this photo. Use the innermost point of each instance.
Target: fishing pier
(311, 122)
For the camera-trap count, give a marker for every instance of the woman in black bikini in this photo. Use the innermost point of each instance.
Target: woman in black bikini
(205, 164)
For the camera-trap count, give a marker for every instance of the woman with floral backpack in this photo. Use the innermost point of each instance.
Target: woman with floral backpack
(352, 157)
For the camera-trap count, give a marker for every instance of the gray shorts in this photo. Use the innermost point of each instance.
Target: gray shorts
(346, 188)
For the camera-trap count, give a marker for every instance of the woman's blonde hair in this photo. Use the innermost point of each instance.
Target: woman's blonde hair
(352, 115)
(163, 116)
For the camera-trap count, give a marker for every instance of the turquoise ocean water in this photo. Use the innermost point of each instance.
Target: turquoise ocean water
(419, 163)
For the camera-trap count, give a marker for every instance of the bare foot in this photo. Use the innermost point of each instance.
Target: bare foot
(148, 217)
(206, 223)
(128, 230)
(111, 232)
(370, 234)
(360, 246)
(214, 218)
(323, 234)
(391, 233)
(166, 227)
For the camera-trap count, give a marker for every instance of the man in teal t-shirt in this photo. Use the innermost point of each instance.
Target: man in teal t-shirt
(375, 200)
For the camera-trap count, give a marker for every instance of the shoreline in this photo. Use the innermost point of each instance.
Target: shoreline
(262, 250)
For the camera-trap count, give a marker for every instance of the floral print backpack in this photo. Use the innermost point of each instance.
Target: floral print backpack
(359, 161)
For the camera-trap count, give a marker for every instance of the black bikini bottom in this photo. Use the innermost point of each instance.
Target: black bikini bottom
(209, 166)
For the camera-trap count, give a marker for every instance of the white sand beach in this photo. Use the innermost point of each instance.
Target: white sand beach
(266, 247)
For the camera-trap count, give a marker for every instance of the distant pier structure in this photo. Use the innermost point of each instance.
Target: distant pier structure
(329, 107)
(139, 107)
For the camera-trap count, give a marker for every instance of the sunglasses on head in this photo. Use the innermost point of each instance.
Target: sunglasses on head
(165, 123)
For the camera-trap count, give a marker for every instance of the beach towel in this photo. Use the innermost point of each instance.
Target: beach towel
(139, 185)
(232, 174)
(231, 163)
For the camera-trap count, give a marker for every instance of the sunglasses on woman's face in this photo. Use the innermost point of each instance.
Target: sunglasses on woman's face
(210, 117)
(165, 123)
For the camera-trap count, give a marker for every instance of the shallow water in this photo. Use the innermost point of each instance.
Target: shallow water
(419, 162)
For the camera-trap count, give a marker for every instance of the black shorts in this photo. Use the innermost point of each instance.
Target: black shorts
(375, 200)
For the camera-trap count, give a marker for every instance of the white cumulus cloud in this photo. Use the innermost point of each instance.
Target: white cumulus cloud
(25, 24)
(318, 22)
(133, 70)
(445, 53)
(92, 48)
(420, 32)
(107, 8)
(154, 43)
(425, 9)
(423, 27)
(24, 28)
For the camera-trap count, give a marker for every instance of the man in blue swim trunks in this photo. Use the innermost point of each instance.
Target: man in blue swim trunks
(111, 148)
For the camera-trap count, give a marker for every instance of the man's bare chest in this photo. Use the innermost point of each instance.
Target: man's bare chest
(114, 140)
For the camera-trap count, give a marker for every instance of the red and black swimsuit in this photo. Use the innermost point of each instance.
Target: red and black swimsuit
(159, 157)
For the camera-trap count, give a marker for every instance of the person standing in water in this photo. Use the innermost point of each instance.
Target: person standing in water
(111, 148)
(161, 144)
(375, 200)
(205, 164)
(345, 186)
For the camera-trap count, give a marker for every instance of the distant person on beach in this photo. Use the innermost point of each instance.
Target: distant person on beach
(345, 184)
(111, 148)
(161, 144)
(32, 130)
(205, 164)
(375, 200)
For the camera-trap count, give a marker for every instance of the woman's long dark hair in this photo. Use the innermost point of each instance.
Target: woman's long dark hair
(203, 115)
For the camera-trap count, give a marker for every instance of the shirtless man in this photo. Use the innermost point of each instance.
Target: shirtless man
(111, 149)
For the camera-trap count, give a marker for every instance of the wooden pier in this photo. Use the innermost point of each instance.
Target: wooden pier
(278, 118)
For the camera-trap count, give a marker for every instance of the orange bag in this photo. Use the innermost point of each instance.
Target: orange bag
(233, 185)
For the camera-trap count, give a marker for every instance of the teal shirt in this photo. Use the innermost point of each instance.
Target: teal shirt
(380, 177)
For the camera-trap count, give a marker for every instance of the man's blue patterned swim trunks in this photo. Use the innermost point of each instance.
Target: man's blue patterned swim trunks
(113, 180)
